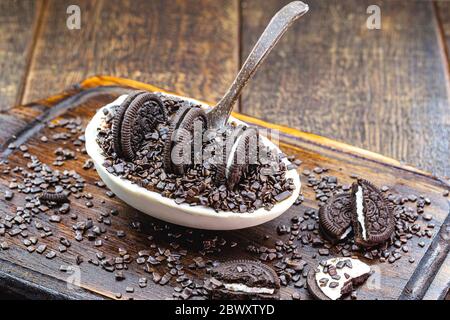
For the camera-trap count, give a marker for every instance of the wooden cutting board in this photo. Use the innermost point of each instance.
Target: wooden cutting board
(33, 275)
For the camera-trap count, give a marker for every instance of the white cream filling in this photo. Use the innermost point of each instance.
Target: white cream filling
(243, 288)
(358, 269)
(360, 211)
(345, 234)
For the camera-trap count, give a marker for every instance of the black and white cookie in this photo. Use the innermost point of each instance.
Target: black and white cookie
(372, 215)
(179, 150)
(335, 219)
(243, 279)
(337, 277)
(239, 151)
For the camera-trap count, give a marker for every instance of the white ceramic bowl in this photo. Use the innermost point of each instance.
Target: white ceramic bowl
(155, 205)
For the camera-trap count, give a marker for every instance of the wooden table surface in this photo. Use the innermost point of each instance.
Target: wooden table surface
(420, 269)
(384, 90)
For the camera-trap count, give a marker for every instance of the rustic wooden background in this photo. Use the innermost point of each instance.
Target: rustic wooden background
(384, 90)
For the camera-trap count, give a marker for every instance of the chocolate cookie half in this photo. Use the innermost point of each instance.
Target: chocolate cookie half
(336, 278)
(372, 215)
(243, 279)
(245, 155)
(238, 158)
(224, 151)
(142, 116)
(179, 151)
(335, 217)
(118, 119)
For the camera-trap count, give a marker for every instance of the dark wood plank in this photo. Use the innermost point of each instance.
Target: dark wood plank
(190, 46)
(383, 90)
(442, 276)
(341, 161)
(18, 22)
(23, 283)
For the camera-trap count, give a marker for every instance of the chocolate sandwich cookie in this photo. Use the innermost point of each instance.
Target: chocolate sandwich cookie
(143, 115)
(335, 217)
(117, 122)
(243, 279)
(372, 214)
(337, 277)
(246, 149)
(180, 139)
(243, 153)
(225, 149)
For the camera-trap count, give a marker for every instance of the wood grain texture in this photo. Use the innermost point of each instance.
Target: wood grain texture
(383, 90)
(443, 13)
(434, 293)
(20, 269)
(191, 46)
(18, 21)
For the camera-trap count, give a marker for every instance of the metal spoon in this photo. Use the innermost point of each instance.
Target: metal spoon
(280, 22)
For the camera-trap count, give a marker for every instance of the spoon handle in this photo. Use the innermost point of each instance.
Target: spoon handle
(280, 22)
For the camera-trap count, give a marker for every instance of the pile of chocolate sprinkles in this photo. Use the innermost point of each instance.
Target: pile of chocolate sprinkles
(261, 187)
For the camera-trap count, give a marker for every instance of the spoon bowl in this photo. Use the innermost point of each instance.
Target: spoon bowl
(155, 205)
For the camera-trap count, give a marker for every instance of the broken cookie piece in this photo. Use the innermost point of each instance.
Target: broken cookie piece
(336, 278)
(184, 126)
(243, 279)
(372, 215)
(246, 153)
(335, 217)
